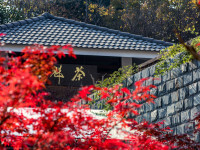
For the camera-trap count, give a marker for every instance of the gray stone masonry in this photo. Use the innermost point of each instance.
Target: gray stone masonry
(178, 97)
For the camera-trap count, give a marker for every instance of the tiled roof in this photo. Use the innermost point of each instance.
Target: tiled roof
(50, 30)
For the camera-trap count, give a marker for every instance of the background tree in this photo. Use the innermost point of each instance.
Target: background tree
(153, 18)
(9, 14)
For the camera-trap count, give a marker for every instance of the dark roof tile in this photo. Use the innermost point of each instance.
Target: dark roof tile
(29, 20)
(3, 27)
(35, 19)
(50, 30)
(41, 17)
(22, 22)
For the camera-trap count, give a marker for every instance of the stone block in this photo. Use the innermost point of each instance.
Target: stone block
(147, 116)
(130, 81)
(194, 112)
(189, 127)
(152, 106)
(174, 130)
(166, 76)
(147, 107)
(166, 99)
(139, 119)
(145, 73)
(154, 115)
(185, 116)
(176, 119)
(198, 63)
(175, 73)
(158, 81)
(198, 85)
(137, 76)
(142, 109)
(125, 83)
(170, 110)
(187, 78)
(161, 89)
(196, 99)
(188, 103)
(175, 96)
(197, 137)
(193, 89)
(178, 106)
(167, 122)
(158, 102)
(154, 91)
(179, 82)
(144, 83)
(152, 70)
(183, 92)
(149, 82)
(192, 65)
(180, 129)
(196, 75)
(170, 85)
(162, 113)
(186, 91)
(184, 68)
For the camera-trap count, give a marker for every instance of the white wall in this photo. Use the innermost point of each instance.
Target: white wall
(98, 52)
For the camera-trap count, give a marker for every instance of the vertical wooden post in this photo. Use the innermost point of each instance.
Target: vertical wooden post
(4, 54)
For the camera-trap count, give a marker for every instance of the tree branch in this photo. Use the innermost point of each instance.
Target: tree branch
(189, 48)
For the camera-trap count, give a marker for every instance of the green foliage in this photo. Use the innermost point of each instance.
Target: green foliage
(116, 78)
(9, 14)
(174, 56)
(152, 18)
(31, 8)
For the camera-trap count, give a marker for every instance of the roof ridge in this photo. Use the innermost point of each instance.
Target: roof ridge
(139, 37)
(47, 15)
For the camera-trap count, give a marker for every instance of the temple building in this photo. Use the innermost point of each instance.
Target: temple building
(99, 50)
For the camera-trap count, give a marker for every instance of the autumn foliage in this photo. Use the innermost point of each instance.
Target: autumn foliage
(29, 121)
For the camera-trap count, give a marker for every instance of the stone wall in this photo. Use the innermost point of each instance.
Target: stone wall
(178, 97)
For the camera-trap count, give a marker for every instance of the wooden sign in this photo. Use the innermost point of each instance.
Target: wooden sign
(73, 75)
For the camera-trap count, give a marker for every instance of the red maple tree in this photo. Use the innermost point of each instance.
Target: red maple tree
(29, 121)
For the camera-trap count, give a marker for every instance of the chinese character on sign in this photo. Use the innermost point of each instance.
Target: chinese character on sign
(57, 73)
(79, 74)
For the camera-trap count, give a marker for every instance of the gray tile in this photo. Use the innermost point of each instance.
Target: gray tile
(57, 27)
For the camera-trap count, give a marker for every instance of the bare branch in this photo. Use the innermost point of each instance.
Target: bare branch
(189, 48)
